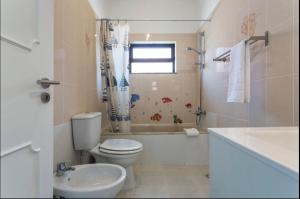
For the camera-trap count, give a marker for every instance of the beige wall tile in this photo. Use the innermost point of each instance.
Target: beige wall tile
(259, 7)
(71, 65)
(58, 24)
(296, 10)
(75, 61)
(238, 110)
(94, 102)
(58, 98)
(71, 25)
(278, 12)
(279, 105)
(296, 37)
(91, 79)
(63, 146)
(227, 122)
(257, 110)
(70, 102)
(180, 87)
(59, 72)
(280, 51)
(296, 100)
(272, 68)
(83, 98)
(209, 121)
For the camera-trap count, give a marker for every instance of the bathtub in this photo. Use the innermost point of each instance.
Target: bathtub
(167, 144)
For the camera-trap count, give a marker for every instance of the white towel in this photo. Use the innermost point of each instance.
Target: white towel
(239, 74)
(191, 132)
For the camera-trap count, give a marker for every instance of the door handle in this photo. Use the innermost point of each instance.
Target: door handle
(46, 83)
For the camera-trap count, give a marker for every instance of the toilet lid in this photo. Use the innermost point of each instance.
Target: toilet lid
(121, 145)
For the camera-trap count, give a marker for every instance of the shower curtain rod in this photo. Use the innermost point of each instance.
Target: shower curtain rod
(159, 20)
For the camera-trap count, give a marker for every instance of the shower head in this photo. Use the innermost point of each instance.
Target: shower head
(192, 49)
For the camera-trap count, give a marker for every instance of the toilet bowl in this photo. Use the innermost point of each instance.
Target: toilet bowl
(122, 152)
(86, 128)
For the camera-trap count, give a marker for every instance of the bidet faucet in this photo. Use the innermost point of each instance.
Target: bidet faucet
(62, 168)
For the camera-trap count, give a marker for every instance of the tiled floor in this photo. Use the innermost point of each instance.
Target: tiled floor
(169, 182)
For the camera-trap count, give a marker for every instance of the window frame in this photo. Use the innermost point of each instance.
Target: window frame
(172, 46)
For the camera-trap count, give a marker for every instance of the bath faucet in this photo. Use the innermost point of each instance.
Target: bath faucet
(62, 168)
(199, 112)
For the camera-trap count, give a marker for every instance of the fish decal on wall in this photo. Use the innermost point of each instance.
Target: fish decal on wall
(134, 98)
(156, 117)
(177, 120)
(166, 100)
(188, 105)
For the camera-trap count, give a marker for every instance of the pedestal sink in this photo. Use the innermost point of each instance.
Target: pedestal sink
(90, 181)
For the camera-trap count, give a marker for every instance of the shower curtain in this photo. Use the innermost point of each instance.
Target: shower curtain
(114, 50)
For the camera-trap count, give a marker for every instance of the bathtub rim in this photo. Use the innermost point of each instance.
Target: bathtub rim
(150, 133)
(176, 129)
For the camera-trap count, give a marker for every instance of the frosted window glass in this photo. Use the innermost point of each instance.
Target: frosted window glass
(166, 67)
(140, 53)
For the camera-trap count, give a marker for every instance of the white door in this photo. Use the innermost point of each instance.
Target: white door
(26, 122)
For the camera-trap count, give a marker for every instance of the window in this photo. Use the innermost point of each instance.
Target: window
(152, 58)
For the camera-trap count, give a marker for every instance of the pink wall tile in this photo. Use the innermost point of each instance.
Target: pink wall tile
(75, 61)
(274, 98)
(180, 87)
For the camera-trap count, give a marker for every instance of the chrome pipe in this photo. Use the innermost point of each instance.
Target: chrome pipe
(156, 20)
(193, 49)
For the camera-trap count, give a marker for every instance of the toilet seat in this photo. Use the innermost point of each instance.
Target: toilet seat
(119, 152)
(119, 146)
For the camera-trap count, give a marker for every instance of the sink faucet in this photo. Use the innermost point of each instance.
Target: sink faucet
(62, 168)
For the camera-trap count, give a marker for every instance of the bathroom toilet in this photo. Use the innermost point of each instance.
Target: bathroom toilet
(123, 152)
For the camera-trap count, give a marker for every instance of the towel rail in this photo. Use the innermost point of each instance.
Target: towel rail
(224, 57)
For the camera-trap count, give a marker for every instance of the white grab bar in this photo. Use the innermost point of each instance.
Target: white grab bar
(17, 148)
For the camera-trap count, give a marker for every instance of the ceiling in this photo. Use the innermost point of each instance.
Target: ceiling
(156, 9)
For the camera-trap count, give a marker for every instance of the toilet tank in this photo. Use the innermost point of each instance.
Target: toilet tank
(86, 128)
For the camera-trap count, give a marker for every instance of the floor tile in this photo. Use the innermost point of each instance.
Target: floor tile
(169, 181)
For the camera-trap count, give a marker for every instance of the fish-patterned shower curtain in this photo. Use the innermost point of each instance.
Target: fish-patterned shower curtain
(114, 51)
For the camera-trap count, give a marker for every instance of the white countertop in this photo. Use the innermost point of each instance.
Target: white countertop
(278, 146)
